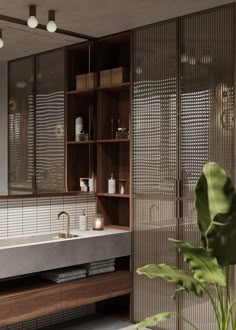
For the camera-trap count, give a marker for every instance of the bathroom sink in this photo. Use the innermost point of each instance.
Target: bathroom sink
(24, 240)
(38, 238)
(63, 235)
(29, 254)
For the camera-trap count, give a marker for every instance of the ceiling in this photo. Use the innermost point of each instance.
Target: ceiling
(91, 17)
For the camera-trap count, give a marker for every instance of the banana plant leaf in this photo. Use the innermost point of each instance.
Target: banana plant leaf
(216, 213)
(173, 275)
(153, 320)
(205, 268)
(161, 317)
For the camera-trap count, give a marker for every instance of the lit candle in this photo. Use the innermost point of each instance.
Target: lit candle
(98, 223)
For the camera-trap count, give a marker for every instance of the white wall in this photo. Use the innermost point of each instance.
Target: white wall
(3, 130)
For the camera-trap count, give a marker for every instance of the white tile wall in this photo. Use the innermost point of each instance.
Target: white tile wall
(39, 215)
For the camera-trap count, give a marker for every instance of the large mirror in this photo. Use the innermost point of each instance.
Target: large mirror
(32, 88)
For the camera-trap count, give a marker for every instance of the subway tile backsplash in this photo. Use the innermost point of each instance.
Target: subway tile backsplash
(39, 215)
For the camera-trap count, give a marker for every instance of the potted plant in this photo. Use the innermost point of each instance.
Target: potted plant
(209, 263)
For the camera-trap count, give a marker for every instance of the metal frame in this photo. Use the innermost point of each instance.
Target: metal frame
(43, 27)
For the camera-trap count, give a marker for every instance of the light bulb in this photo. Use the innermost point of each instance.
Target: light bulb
(1, 39)
(32, 22)
(51, 26)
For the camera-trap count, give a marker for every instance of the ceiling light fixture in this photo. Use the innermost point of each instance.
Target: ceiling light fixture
(32, 21)
(1, 40)
(51, 26)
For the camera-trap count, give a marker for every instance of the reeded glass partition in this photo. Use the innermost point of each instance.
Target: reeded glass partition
(182, 116)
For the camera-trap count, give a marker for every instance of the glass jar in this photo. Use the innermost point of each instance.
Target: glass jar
(98, 222)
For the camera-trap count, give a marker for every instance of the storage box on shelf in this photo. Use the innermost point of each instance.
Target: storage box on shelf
(105, 78)
(81, 81)
(116, 76)
(119, 76)
(86, 81)
(91, 79)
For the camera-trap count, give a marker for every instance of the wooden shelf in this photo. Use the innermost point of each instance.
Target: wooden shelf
(114, 195)
(27, 298)
(118, 227)
(86, 91)
(96, 288)
(99, 141)
(113, 140)
(81, 142)
(119, 87)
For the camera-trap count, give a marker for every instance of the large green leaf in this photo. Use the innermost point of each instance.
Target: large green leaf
(173, 275)
(205, 268)
(216, 208)
(153, 320)
(161, 317)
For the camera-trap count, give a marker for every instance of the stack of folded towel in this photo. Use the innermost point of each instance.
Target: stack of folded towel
(64, 274)
(101, 267)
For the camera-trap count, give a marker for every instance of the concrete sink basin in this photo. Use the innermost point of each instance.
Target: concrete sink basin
(40, 252)
(25, 240)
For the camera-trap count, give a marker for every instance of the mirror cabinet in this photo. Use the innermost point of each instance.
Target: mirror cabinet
(36, 124)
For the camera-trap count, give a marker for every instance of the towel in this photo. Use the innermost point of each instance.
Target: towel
(62, 280)
(91, 267)
(72, 278)
(65, 272)
(95, 263)
(101, 270)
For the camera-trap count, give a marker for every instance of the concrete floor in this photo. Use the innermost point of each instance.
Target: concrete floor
(92, 323)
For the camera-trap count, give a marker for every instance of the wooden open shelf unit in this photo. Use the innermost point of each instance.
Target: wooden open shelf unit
(104, 108)
(32, 297)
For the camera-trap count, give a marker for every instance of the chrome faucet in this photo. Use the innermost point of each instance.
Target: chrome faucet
(68, 223)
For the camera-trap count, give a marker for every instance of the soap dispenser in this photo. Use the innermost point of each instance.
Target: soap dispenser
(111, 185)
(83, 222)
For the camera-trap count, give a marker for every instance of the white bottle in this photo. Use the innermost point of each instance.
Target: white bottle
(111, 185)
(92, 184)
(78, 127)
(83, 222)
